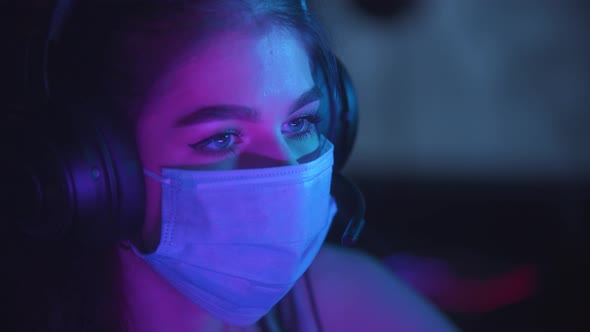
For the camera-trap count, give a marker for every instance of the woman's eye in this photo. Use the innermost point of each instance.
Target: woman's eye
(220, 143)
(302, 125)
(297, 125)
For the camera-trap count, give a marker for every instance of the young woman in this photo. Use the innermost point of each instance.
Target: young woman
(226, 112)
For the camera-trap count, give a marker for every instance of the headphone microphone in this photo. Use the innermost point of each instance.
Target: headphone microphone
(350, 199)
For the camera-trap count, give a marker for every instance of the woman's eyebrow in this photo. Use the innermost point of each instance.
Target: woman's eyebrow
(237, 112)
(217, 113)
(309, 96)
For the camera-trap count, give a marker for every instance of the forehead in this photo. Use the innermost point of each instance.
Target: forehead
(236, 67)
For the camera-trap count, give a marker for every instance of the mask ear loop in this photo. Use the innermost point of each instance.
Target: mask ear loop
(156, 177)
(128, 244)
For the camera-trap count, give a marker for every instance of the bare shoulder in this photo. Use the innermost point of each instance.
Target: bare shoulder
(355, 292)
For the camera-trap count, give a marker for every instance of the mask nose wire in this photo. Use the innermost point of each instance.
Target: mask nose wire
(311, 156)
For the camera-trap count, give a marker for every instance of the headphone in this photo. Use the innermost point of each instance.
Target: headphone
(78, 173)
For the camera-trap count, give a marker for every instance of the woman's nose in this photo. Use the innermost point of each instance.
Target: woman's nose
(268, 153)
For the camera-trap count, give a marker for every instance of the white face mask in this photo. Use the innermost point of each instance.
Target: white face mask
(234, 242)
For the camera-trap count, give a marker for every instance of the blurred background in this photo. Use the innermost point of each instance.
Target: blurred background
(472, 152)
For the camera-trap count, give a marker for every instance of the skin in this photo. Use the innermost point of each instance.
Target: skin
(266, 71)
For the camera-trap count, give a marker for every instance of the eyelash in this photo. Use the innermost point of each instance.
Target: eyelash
(314, 119)
(201, 146)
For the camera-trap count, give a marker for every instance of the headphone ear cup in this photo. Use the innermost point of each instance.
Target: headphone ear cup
(114, 208)
(83, 177)
(340, 102)
(348, 117)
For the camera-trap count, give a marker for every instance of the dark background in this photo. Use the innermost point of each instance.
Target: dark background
(472, 146)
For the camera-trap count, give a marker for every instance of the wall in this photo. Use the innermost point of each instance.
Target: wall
(468, 87)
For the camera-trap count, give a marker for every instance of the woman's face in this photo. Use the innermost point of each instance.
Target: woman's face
(242, 100)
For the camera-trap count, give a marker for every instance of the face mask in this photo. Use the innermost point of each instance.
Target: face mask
(234, 242)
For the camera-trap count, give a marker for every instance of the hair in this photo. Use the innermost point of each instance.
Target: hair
(113, 53)
(144, 40)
